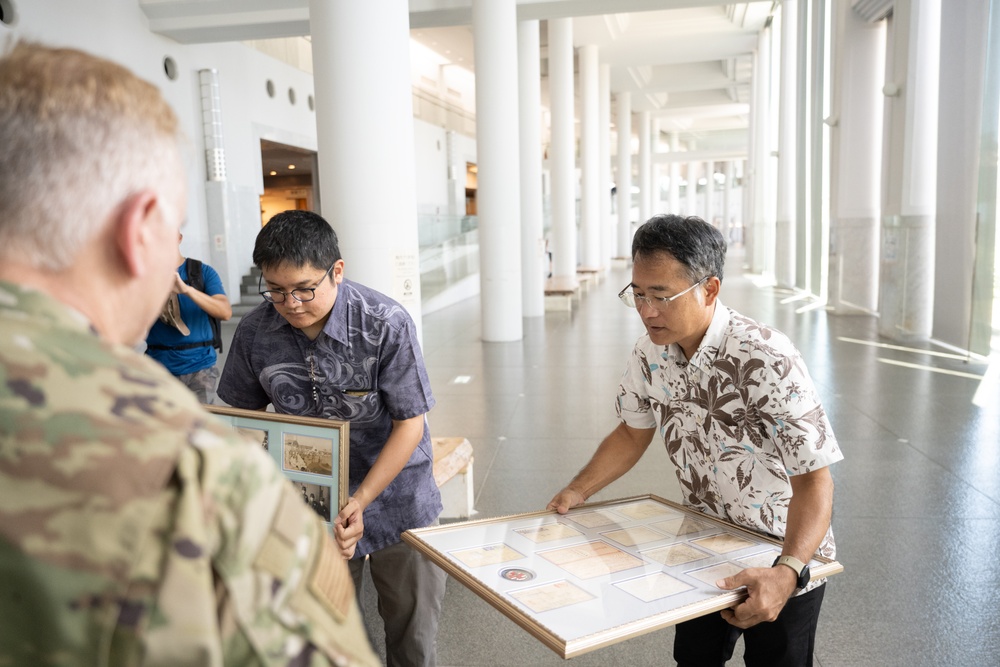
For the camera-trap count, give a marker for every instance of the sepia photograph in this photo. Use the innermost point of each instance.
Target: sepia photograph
(308, 454)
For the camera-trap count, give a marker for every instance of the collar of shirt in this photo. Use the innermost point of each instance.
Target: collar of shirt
(708, 349)
(24, 299)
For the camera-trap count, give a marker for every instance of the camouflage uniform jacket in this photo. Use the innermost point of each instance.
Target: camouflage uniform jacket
(136, 529)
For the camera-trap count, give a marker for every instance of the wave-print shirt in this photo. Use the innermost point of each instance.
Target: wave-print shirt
(738, 419)
(365, 367)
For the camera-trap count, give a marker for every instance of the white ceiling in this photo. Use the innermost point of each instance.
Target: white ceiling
(688, 62)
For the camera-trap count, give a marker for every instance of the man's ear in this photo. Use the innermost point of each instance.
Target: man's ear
(133, 231)
(712, 286)
(338, 271)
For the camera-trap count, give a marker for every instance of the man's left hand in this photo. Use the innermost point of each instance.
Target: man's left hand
(349, 527)
(768, 589)
(180, 287)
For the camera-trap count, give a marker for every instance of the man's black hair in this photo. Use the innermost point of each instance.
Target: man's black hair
(694, 243)
(297, 238)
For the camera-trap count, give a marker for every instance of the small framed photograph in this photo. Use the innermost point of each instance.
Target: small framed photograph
(312, 453)
(603, 572)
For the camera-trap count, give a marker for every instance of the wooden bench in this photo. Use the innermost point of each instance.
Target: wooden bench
(453, 475)
(560, 292)
(589, 276)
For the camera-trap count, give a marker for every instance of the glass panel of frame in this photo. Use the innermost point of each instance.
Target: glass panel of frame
(311, 452)
(603, 572)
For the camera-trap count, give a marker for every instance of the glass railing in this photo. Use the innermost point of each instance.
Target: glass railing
(449, 256)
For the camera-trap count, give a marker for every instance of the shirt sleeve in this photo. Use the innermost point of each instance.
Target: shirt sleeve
(793, 417)
(403, 381)
(213, 283)
(238, 384)
(633, 405)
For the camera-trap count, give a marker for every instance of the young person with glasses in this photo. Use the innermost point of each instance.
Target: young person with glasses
(743, 425)
(321, 345)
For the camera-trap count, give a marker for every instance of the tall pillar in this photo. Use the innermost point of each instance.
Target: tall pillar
(727, 201)
(710, 192)
(691, 207)
(855, 161)
(534, 262)
(761, 223)
(562, 158)
(787, 184)
(354, 43)
(604, 162)
(590, 207)
(494, 32)
(645, 166)
(906, 287)
(624, 180)
(675, 174)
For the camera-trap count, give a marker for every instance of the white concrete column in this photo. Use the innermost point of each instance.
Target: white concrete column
(761, 225)
(727, 201)
(624, 180)
(494, 33)
(562, 156)
(965, 203)
(909, 167)
(788, 102)
(710, 192)
(534, 262)
(675, 174)
(354, 43)
(645, 166)
(855, 161)
(590, 206)
(691, 206)
(604, 164)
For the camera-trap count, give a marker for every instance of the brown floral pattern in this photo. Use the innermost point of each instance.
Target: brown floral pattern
(737, 420)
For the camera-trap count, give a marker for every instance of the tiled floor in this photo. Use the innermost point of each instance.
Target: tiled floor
(917, 500)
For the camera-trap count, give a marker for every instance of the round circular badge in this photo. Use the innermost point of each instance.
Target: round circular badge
(517, 574)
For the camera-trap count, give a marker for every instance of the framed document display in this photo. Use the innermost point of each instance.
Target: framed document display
(603, 572)
(311, 452)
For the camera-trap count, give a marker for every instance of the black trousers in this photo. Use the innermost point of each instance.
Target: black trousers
(788, 641)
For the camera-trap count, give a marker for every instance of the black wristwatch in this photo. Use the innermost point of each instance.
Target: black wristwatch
(801, 569)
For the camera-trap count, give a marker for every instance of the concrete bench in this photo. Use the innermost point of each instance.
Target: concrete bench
(589, 276)
(453, 475)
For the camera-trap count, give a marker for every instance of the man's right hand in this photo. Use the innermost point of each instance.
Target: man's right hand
(565, 499)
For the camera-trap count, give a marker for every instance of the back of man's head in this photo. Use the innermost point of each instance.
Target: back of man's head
(296, 238)
(80, 135)
(697, 245)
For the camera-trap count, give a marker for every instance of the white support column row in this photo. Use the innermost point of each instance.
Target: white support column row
(604, 160)
(787, 184)
(624, 180)
(561, 153)
(352, 44)
(645, 166)
(590, 220)
(534, 263)
(909, 169)
(494, 29)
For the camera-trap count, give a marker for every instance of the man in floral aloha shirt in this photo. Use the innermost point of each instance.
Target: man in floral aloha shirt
(744, 427)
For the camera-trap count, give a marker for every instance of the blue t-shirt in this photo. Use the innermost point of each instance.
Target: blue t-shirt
(183, 362)
(366, 368)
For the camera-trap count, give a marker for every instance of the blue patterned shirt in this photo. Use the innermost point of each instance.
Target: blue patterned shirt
(365, 367)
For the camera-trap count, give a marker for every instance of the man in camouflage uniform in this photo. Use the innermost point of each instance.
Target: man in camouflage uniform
(134, 528)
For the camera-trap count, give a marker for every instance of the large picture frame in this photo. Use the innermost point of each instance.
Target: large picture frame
(604, 572)
(311, 452)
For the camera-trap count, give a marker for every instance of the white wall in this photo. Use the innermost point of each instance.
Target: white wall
(117, 30)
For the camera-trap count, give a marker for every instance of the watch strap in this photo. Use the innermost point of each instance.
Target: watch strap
(790, 561)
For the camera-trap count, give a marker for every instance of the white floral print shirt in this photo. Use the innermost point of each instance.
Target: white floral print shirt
(738, 419)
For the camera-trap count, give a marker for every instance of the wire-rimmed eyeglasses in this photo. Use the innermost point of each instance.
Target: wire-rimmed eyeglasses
(658, 303)
(300, 294)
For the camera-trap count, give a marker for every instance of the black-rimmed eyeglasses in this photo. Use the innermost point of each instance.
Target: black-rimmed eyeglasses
(658, 303)
(300, 294)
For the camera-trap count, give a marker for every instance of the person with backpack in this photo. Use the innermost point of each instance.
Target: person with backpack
(187, 336)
